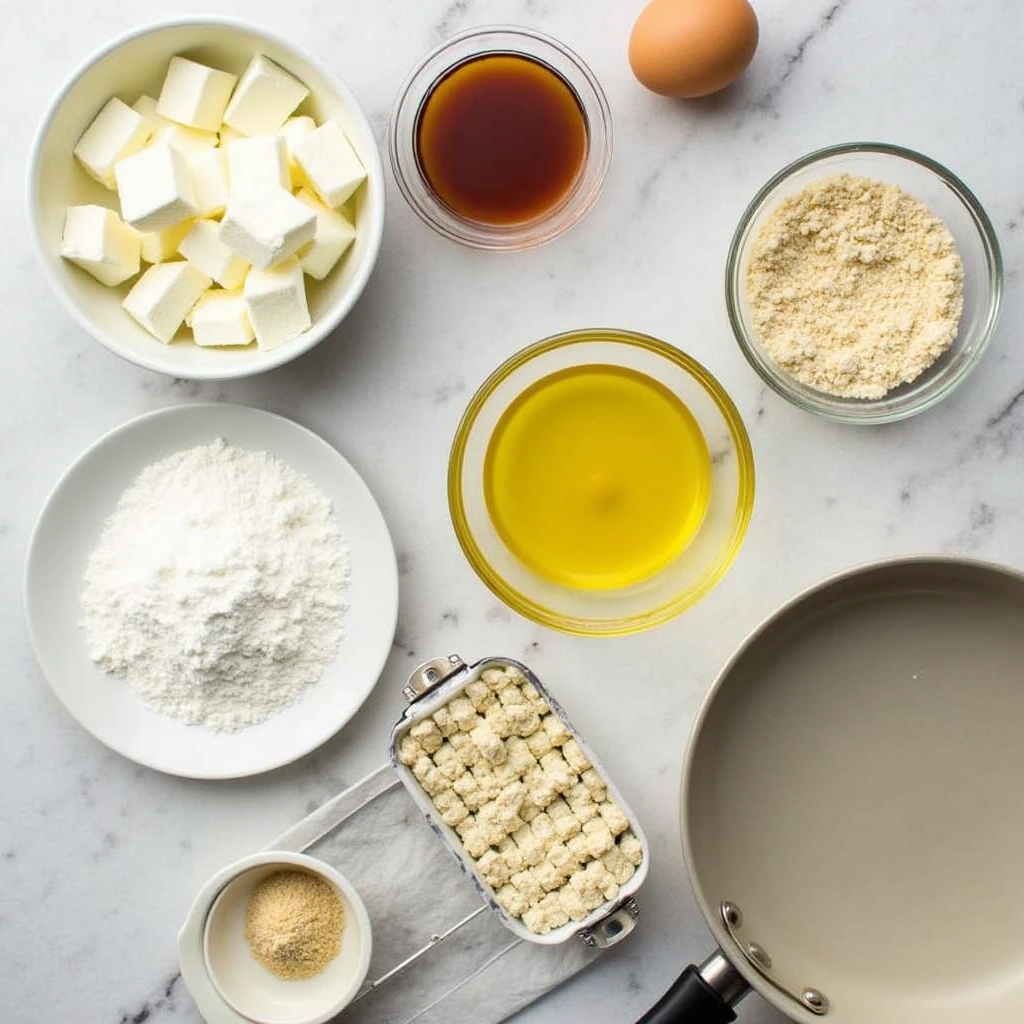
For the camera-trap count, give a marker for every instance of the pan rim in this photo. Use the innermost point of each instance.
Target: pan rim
(755, 980)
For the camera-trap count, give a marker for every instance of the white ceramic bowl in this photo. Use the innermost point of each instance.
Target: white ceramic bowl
(134, 64)
(245, 984)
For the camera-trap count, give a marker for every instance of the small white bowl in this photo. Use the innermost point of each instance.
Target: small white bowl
(134, 64)
(246, 985)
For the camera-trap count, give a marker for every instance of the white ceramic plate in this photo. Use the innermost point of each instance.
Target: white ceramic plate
(69, 527)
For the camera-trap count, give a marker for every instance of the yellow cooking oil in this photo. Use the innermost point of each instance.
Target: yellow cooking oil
(596, 477)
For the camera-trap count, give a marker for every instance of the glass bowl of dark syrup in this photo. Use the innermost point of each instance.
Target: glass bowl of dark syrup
(501, 138)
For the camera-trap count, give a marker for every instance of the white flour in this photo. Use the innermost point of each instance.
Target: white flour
(217, 590)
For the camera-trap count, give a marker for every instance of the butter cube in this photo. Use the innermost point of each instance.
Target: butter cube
(265, 96)
(291, 131)
(187, 140)
(155, 187)
(203, 248)
(296, 128)
(220, 318)
(96, 239)
(334, 234)
(158, 246)
(257, 163)
(276, 300)
(161, 299)
(228, 134)
(182, 138)
(116, 132)
(209, 169)
(327, 161)
(145, 107)
(194, 94)
(267, 227)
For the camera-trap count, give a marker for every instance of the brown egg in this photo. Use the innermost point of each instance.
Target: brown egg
(689, 48)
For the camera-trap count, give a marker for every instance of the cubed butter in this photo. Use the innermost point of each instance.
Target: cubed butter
(155, 188)
(291, 131)
(187, 140)
(267, 227)
(158, 246)
(228, 134)
(296, 128)
(265, 96)
(334, 234)
(209, 169)
(194, 94)
(145, 107)
(182, 138)
(162, 298)
(203, 248)
(116, 132)
(257, 163)
(329, 164)
(98, 241)
(220, 318)
(276, 300)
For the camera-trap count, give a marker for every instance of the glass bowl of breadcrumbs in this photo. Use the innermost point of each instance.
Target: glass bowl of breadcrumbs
(863, 282)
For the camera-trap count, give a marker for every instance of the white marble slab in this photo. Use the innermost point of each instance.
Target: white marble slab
(98, 858)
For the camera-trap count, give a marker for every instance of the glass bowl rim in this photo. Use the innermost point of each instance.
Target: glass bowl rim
(514, 237)
(879, 410)
(539, 613)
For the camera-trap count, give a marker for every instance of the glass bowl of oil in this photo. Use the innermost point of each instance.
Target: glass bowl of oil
(600, 482)
(501, 138)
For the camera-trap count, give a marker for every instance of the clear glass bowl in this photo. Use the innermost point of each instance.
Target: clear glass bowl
(418, 86)
(695, 570)
(950, 200)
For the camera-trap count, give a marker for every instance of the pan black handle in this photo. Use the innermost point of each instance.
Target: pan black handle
(700, 995)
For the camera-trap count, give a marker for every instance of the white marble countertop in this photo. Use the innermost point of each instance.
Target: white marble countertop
(99, 858)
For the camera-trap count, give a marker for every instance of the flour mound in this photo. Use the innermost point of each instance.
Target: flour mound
(855, 286)
(217, 589)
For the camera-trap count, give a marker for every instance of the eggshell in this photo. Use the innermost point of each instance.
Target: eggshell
(690, 48)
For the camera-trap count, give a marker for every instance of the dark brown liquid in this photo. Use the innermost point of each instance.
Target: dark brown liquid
(501, 139)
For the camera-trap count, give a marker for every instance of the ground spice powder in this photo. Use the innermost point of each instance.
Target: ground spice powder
(293, 924)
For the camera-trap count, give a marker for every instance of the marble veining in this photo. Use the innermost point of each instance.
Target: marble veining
(1007, 410)
(99, 859)
(164, 1006)
(794, 57)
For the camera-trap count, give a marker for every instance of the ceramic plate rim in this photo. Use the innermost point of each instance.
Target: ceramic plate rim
(285, 748)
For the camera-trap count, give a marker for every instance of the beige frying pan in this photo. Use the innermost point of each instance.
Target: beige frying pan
(853, 805)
